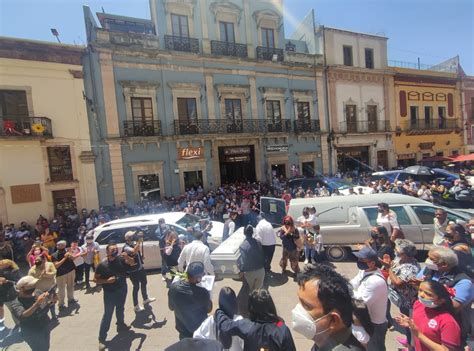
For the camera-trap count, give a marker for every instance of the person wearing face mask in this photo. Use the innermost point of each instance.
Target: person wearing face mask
(433, 324)
(456, 239)
(9, 274)
(36, 250)
(89, 249)
(442, 266)
(440, 223)
(45, 272)
(325, 311)
(111, 274)
(6, 251)
(32, 312)
(388, 219)
(65, 273)
(289, 236)
(160, 234)
(263, 330)
(190, 302)
(370, 286)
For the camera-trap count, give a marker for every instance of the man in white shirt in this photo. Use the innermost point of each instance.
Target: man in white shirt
(370, 286)
(196, 251)
(266, 236)
(440, 224)
(388, 219)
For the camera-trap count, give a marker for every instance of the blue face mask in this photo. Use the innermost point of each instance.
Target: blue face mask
(427, 303)
(362, 265)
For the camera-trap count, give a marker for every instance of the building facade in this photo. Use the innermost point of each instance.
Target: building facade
(203, 93)
(360, 86)
(46, 162)
(467, 103)
(428, 115)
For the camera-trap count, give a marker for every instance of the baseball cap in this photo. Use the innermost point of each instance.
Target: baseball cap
(195, 269)
(129, 235)
(366, 253)
(27, 282)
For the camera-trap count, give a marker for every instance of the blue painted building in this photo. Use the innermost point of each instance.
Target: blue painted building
(205, 92)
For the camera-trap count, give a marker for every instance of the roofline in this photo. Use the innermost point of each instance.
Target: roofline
(42, 42)
(132, 19)
(354, 32)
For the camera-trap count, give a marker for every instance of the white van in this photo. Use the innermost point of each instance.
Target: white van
(179, 221)
(346, 220)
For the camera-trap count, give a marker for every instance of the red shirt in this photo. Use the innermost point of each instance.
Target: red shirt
(441, 327)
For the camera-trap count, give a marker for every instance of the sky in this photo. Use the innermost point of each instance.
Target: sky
(432, 30)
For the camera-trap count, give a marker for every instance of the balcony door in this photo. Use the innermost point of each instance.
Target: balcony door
(142, 116)
(227, 32)
(274, 116)
(60, 166)
(372, 118)
(180, 25)
(351, 118)
(233, 112)
(268, 38)
(428, 116)
(187, 115)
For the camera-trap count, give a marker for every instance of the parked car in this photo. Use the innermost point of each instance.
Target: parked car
(330, 183)
(444, 177)
(179, 221)
(344, 224)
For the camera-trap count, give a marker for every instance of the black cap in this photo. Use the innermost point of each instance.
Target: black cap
(195, 269)
(367, 253)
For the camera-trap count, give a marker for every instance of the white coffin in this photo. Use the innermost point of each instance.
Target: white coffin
(224, 257)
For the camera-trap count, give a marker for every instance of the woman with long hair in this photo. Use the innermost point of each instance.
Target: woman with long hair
(433, 325)
(289, 236)
(208, 329)
(263, 330)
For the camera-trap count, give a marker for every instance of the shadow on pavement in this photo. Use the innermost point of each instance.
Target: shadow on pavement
(147, 320)
(275, 279)
(124, 340)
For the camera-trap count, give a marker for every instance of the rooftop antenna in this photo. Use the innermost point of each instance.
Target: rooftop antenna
(55, 32)
(103, 11)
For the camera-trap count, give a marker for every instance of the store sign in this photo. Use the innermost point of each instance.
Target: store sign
(241, 150)
(406, 156)
(190, 153)
(277, 148)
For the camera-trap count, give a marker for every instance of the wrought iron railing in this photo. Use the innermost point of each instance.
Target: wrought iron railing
(307, 126)
(228, 49)
(430, 124)
(364, 126)
(223, 126)
(26, 127)
(61, 173)
(177, 43)
(271, 54)
(142, 128)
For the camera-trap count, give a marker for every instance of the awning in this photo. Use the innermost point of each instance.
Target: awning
(437, 159)
(464, 158)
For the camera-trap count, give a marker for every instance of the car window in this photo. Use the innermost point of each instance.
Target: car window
(424, 213)
(403, 176)
(178, 230)
(188, 220)
(402, 215)
(111, 235)
(454, 218)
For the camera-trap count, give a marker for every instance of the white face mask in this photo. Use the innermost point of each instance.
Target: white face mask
(304, 324)
(431, 265)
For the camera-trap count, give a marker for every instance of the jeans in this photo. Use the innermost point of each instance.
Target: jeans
(113, 300)
(377, 340)
(139, 280)
(164, 267)
(37, 339)
(79, 273)
(268, 252)
(308, 253)
(87, 270)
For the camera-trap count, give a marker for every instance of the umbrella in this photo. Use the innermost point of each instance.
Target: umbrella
(419, 170)
(464, 158)
(437, 159)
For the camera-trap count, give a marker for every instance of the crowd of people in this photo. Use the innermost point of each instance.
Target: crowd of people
(40, 266)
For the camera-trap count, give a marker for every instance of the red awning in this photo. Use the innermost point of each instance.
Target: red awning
(436, 159)
(464, 158)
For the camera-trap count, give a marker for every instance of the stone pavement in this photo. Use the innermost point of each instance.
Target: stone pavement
(154, 328)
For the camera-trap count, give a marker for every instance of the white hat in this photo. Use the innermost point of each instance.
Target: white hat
(27, 282)
(129, 235)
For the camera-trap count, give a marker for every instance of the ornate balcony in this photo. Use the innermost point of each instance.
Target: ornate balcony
(420, 125)
(62, 173)
(26, 127)
(378, 126)
(307, 126)
(264, 53)
(224, 126)
(176, 43)
(225, 48)
(141, 128)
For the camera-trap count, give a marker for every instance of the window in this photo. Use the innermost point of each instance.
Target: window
(369, 58)
(372, 117)
(233, 109)
(187, 109)
(402, 215)
(351, 118)
(13, 103)
(472, 108)
(180, 25)
(192, 179)
(268, 38)
(303, 111)
(227, 32)
(413, 115)
(64, 201)
(149, 187)
(442, 116)
(60, 167)
(308, 169)
(142, 108)
(428, 115)
(347, 52)
(425, 214)
(274, 111)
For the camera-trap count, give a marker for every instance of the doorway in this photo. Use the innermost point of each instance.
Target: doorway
(279, 170)
(308, 169)
(237, 164)
(192, 179)
(64, 201)
(352, 158)
(382, 159)
(149, 187)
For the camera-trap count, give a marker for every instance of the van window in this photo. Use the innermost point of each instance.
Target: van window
(452, 217)
(424, 213)
(115, 235)
(402, 215)
(336, 214)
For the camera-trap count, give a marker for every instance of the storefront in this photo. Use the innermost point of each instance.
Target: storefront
(350, 158)
(237, 164)
(406, 160)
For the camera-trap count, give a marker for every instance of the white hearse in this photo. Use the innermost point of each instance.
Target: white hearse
(346, 220)
(179, 221)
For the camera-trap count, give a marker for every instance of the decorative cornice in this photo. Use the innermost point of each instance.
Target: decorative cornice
(87, 157)
(267, 14)
(226, 6)
(139, 84)
(77, 74)
(355, 77)
(179, 85)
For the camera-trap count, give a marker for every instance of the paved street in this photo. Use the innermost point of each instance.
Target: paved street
(154, 328)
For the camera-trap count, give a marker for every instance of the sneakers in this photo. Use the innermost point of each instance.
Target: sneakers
(72, 302)
(139, 308)
(149, 300)
(306, 261)
(402, 340)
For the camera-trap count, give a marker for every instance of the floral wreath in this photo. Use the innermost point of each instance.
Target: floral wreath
(38, 128)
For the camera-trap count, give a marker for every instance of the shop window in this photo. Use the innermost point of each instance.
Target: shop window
(347, 53)
(308, 169)
(13, 103)
(192, 179)
(149, 187)
(279, 170)
(60, 166)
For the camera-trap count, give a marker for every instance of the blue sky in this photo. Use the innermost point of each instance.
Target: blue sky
(432, 30)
